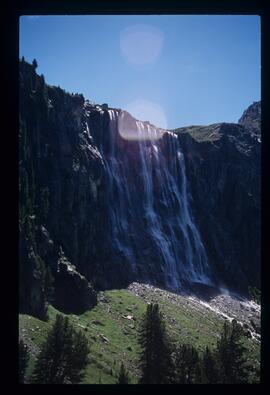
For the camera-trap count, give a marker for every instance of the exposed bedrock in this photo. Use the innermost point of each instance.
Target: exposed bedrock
(106, 200)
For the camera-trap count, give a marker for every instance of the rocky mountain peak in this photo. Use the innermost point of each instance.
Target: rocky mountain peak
(251, 119)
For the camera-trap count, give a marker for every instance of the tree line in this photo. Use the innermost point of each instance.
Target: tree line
(64, 356)
(163, 362)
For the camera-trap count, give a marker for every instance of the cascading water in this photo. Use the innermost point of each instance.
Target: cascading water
(150, 221)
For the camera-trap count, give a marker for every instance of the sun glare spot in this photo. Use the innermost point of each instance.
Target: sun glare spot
(145, 110)
(141, 44)
(142, 120)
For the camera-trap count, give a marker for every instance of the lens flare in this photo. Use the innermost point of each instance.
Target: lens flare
(145, 110)
(147, 122)
(141, 44)
(131, 129)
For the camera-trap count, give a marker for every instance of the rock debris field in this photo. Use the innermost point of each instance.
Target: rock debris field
(227, 306)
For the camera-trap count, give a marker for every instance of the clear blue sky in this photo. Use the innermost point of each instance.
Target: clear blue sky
(174, 70)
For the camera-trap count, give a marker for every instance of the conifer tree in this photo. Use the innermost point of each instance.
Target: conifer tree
(42, 80)
(35, 64)
(155, 358)
(63, 356)
(23, 360)
(187, 365)
(198, 372)
(123, 377)
(210, 371)
(231, 355)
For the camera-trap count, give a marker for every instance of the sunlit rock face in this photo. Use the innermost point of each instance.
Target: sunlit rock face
(122, 200)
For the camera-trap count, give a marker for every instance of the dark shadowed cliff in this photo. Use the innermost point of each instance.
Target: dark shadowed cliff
(251, 119)
(67, 246)
(223, 168)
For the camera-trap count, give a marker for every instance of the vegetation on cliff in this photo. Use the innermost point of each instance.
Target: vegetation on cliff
(64, 209)
(63, 262)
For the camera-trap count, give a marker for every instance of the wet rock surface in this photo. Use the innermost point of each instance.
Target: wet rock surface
(223, 169)
(64, 202)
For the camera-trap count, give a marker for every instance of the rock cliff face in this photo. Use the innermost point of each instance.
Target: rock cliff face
(223, 168)
(74, 209)
(251, 119)
(59, 174)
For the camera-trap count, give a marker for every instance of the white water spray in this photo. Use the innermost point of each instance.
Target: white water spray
(150, 220)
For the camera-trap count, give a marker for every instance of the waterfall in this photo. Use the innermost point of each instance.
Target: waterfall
(149, 216)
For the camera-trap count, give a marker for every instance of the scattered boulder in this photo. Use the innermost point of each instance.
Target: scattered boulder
(104, 338)
(82, 326)
(73, 293)
(97, 322)
(128, 317)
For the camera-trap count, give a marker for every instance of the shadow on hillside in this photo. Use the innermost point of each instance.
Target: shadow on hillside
(203, 291)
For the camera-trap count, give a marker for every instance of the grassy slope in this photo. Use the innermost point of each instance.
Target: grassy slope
(208, 133)
(184, 323)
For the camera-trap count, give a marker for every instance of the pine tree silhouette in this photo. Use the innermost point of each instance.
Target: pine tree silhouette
(123, 377)
(231, 354)
(187, 365)
(35, 64)
(23, 360)
(210, 372)
(63, 356)
(155, 358)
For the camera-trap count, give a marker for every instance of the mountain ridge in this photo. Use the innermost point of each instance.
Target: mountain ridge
(63, 200)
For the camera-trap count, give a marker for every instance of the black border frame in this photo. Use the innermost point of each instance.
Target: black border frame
(9, 18)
